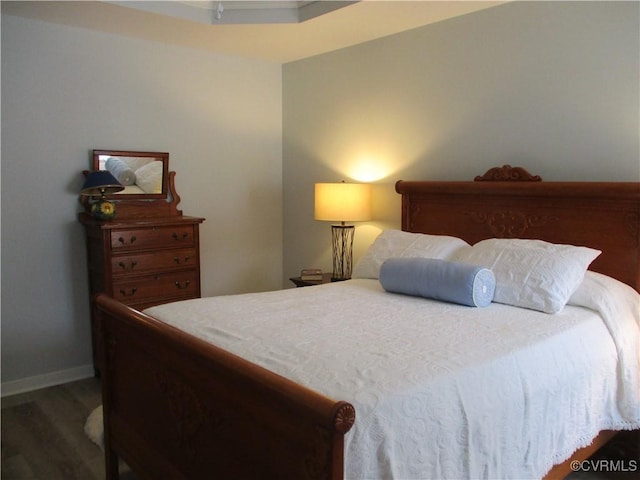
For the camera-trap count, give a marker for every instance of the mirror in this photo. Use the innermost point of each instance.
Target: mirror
(143, 174)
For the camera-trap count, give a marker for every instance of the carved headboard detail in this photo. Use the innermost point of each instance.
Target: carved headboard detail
(507, 173)
(511, 203)
(510, 223)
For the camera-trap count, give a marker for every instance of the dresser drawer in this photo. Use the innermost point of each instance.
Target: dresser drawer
(185, 284)
(155, 237)
(153, 261)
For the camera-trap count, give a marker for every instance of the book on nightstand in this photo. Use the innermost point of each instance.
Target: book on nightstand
(311, 274)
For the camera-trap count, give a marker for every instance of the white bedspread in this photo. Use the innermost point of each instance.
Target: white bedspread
(441, 390)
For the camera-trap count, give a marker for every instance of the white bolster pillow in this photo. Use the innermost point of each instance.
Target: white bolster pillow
(121, 170)
(453, 282)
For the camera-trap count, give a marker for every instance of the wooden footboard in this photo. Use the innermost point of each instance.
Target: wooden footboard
(177, 407)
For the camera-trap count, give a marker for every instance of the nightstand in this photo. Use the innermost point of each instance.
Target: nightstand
(326, 278)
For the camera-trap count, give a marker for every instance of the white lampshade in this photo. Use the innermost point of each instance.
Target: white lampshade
(343, 202)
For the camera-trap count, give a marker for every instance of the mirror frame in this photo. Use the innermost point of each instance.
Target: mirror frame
(160, 156)
(142, 205)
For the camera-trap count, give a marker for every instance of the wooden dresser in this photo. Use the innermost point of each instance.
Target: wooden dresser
(149, 254)
(144, 262)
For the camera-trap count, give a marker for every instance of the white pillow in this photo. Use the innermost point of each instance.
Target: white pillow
(149, 177)
(137, 162)
(121, 171)
(397, 243)
(531, 273)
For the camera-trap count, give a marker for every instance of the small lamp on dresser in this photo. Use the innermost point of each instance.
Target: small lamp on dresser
(342, 202)
(100, 183)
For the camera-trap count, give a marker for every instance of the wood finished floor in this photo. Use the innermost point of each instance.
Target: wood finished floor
(43, 438)
(43, 434)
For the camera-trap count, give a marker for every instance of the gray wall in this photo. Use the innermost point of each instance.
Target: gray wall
(551, 86)
(66, 91)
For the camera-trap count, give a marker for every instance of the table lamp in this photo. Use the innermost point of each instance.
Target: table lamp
(99, 183)
(342, 202)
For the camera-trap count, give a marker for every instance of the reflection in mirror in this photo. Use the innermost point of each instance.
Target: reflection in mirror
(136, 174)
(141, 173)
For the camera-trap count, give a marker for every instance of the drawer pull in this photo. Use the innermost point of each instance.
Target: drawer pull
(124, 242)
(123, 266)
(177, 259)
(130, 294)
(176, 237)
(181, 286)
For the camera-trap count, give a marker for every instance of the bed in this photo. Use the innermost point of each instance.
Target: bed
(252, 405)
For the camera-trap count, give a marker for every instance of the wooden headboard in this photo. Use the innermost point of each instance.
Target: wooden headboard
(508, 202)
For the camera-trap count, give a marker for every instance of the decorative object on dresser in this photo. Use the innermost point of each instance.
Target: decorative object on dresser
(342, 202)
(150, 254)
(100, 183)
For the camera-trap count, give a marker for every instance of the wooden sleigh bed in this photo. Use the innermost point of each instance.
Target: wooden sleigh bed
(178, 407)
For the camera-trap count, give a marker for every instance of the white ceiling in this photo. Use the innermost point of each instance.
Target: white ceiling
(286, 30)
(221, 12)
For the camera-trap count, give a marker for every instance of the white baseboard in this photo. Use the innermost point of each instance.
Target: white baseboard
(46, 380)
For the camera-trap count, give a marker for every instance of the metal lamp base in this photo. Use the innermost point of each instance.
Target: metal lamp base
(342, 249)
